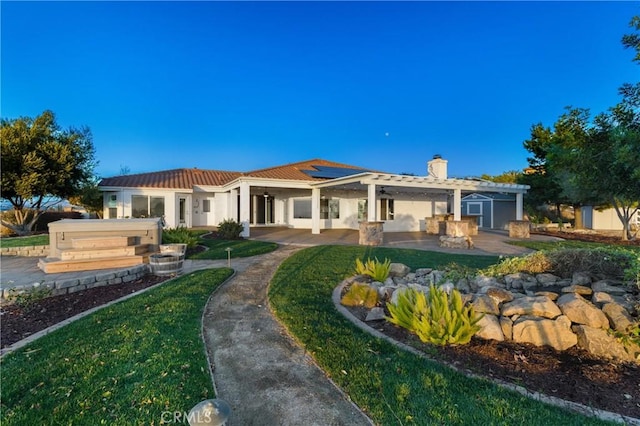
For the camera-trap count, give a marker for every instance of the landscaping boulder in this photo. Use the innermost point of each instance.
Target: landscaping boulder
(545, 332)
(619, 318)
(398, 270)
(485, 304)
(600, 343)
(608, 287)
(490, 328)
(581, 278)
(581, 311)
(546, 279)
(578, 289)
(539, 306)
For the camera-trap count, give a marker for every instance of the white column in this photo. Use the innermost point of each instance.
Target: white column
(254, 212)
(232, 205)
(371, 203)
(315, 211)
(245, 212)
(519, 207)
(457, 204)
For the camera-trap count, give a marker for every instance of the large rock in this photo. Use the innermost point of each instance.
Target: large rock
(507, 327)
(546, 279)
(482, 303)
(398, 270)
(539, 306)
(578, 289)
(545, 332)
(608, 287)
(581, 278)
(619, 318)
(500, 295)
(490, 328)
(600, 343)
(581, 311)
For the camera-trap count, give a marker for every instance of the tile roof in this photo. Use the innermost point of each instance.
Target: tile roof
(188, 178)
(295, 171)
(173, 179)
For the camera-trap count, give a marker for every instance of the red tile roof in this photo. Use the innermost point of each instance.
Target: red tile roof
(172, 179)
(294, 171)
(188, 178)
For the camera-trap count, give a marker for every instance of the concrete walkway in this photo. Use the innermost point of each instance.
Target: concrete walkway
(264, 376)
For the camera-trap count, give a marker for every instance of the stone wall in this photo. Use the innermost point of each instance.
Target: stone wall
(72, 285)
(27, 251)
(543, 310)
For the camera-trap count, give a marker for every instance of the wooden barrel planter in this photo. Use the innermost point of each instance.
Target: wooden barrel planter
(169, 261)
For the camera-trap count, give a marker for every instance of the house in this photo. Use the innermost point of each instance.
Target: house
(315, 194)
(494, 210)
(606, 219)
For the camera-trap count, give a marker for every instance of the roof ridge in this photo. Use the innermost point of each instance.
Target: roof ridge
(304, 162)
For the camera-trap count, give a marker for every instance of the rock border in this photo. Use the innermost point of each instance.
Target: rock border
(557, 402)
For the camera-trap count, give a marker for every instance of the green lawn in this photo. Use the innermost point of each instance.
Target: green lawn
(392, 386)
(239, 248)
(123, 365)
(549, 245)
(34, 240)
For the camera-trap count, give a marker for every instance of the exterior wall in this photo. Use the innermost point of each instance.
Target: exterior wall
(608, 220)
(503, 213)
(486, 207)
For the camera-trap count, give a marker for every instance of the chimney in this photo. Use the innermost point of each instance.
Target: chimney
(437, 168)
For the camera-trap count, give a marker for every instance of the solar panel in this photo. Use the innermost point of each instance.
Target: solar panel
(328, 172)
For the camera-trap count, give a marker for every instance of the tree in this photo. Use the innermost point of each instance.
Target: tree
(603, 165)
(510, 176)
(545, 188)
(90, 197)
(42, 162)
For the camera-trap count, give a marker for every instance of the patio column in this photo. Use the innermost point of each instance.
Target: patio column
(519, 207)
(371, 203)
(457, 204)
(315, 211)
(245, 211)
(232, 205)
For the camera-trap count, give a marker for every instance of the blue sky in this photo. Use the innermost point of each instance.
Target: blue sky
(243, 85)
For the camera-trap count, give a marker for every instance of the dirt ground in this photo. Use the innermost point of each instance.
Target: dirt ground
(573, 375)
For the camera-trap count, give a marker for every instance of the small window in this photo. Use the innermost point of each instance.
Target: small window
(474, 208)
(329, 209)
(362, 209)
(386, 209)
(302, 208)
(113, 213)
(206, 206)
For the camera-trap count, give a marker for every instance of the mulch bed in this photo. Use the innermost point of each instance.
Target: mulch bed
(590, 237)
(573, 375)
(17, 323)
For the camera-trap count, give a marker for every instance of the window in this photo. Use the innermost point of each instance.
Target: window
(302, 208)
(386, 209)
(362, 210)
(206, 206)
(144, 206)
(113, 213)
(474, 208)
(329, 209)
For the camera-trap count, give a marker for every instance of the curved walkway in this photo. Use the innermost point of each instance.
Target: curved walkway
(266, 378)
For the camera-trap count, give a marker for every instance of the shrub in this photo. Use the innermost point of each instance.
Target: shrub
(437, 318)
(534, 263)
(360, 295)
(26, 299)
(378, 271)
(229, 229)
(179, 235)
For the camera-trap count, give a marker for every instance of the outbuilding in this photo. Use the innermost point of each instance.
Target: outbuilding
(494, 210)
